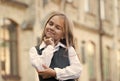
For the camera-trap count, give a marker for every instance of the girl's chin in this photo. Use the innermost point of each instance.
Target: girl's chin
(49, 37)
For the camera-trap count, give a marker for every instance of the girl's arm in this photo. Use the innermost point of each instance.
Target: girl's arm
(38, 60)
(70, 72)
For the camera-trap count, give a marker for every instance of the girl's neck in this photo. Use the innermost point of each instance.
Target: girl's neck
(56, 42)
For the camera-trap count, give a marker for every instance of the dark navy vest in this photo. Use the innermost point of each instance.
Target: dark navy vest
(60, 59)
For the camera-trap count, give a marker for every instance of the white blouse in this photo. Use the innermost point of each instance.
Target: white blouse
(70, 72)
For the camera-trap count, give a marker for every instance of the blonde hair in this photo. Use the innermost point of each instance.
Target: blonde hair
(68, 28)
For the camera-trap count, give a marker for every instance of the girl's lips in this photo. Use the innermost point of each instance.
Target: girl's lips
(50, 34)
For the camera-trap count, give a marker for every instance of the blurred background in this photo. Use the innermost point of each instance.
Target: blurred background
(97, 34)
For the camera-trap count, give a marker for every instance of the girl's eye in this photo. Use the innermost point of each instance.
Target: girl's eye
(58, 27)
(51, 23)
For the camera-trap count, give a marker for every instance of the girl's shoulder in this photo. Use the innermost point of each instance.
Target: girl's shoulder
(71, 49)
(32, 48)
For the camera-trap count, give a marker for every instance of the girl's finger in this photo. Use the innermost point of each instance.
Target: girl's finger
(44, 66)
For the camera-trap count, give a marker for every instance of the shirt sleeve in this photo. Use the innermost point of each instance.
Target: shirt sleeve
(70, 72)
(37, 60)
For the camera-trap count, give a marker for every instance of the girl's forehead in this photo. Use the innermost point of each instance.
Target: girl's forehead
(58, 19)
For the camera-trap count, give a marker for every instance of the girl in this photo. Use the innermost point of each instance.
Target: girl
(55, 59)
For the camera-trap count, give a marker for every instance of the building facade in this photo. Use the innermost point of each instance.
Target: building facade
(97, 26)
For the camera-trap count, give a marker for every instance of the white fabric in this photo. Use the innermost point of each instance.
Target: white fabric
(70, 72)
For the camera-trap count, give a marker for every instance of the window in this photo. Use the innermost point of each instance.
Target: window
(8, 49)
(83, 52)
(117, 12)
(45, 2)
(87, 5)
(108, 9)
(102, 3)
(5, 55)
(106, 64)
(118, 8)
(91, 60)
(56, 1)
(118, 63)
(91, 6)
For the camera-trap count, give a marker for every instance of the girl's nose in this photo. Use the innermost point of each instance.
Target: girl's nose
(52, 27)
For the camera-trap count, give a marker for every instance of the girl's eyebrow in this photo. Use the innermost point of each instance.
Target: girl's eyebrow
(55, 23)
(59, 26)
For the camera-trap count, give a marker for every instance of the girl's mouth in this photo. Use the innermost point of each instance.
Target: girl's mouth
(50, 34)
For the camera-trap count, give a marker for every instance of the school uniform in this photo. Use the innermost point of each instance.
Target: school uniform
(64, 62)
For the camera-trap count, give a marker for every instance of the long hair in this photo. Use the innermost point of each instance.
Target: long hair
(68, 28)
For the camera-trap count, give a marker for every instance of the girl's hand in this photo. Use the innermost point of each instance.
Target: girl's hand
(49, 41)
(47, 73)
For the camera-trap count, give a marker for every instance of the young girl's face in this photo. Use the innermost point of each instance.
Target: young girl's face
(55, 28)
